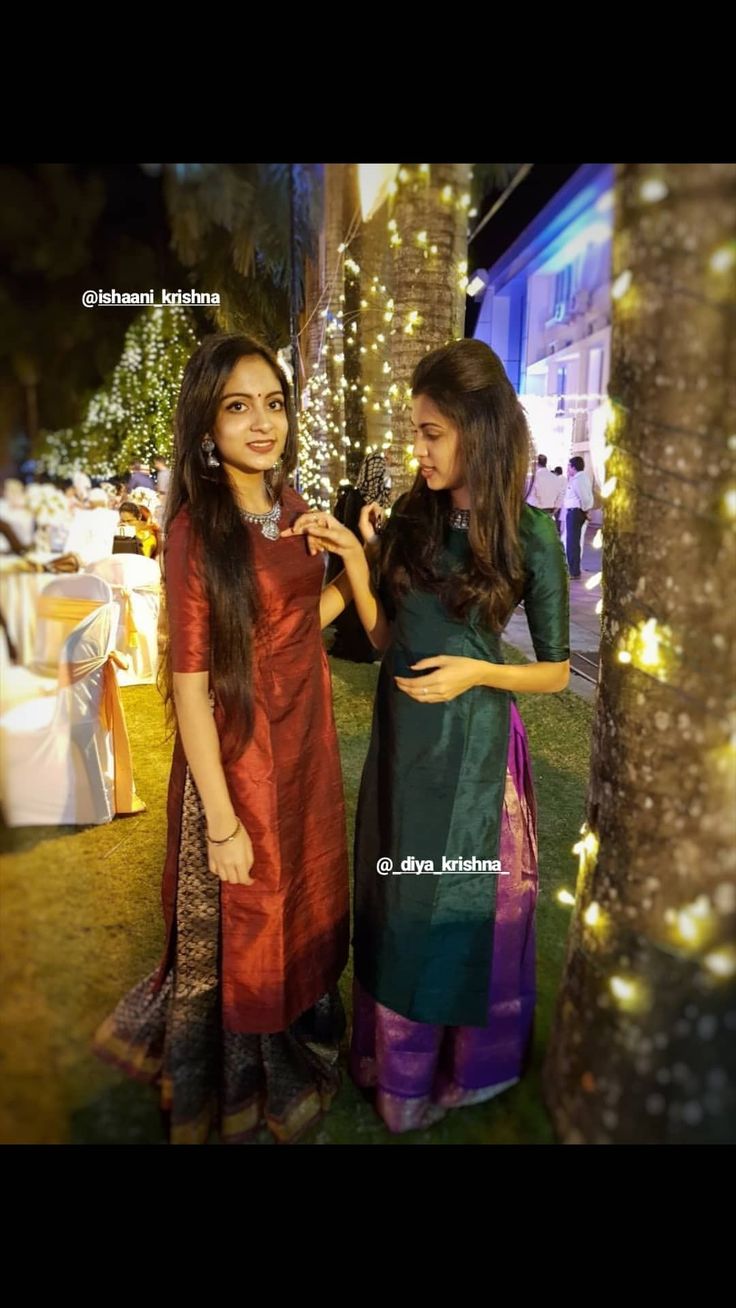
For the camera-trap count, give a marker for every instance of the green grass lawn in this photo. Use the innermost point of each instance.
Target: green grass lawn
(81, 923)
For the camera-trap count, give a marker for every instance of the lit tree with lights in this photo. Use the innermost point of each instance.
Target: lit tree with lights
(146, 383)
(400, 292)
(132, 417)
(642, 1048)
(322, 463)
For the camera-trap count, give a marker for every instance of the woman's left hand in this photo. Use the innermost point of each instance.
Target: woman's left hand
(453, 676)
(324, 532)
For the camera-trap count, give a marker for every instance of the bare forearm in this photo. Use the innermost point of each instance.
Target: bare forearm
(526, 678)
(368, 606)
(202, 749)
(334, 599)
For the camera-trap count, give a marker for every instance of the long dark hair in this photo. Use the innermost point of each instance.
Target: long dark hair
(469, 386)
(223, 554)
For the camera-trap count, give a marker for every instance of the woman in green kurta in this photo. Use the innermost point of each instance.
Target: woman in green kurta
(444, 940)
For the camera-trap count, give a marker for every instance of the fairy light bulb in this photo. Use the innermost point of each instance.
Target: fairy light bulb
(721, 962)
(722, 260)
(622, 284)
(653, 189)
(650, 643)
(591, 844)
(623, 988)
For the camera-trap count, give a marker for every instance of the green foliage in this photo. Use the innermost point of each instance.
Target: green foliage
(231, 224)
(488, 178)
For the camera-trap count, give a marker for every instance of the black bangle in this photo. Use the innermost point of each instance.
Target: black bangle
(227, 838)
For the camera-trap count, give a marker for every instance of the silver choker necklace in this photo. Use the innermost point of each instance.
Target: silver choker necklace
(460, 519)
(268, 522)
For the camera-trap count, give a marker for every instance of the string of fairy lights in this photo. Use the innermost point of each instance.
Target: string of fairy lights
(649, 648)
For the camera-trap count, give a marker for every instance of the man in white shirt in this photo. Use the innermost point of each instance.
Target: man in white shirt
(163, 475)
(578, 503)
(546, 491)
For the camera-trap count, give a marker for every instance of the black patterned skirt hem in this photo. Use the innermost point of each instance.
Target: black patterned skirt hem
(171, 1035)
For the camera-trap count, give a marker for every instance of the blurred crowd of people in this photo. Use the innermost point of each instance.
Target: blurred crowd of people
(67, 523)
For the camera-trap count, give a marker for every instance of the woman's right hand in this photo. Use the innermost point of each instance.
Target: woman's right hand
(232, 862)
(371, 521)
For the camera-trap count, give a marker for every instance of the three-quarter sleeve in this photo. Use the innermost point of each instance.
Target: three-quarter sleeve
(186, 600)
(546, 589)
(391, 526)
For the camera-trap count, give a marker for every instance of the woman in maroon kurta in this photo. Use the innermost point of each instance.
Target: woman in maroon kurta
(240, 1023)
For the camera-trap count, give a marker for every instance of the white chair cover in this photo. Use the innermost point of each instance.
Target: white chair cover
(56, 755)
(52, 633)
(136, 588)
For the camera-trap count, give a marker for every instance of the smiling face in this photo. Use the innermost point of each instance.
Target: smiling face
(251, 426)
(436, 446)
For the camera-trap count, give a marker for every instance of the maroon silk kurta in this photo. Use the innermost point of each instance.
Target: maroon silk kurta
(284, 939)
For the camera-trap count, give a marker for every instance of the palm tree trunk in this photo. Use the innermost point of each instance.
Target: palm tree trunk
(430, 253)
(376, 288)
(642, 1048)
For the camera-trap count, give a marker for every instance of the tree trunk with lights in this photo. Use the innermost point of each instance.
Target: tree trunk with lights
(335, 179)
(429, 242)
(355, 425)
(642, 1044)
(376, 317)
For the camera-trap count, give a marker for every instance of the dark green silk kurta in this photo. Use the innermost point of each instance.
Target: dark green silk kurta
(433, 786)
